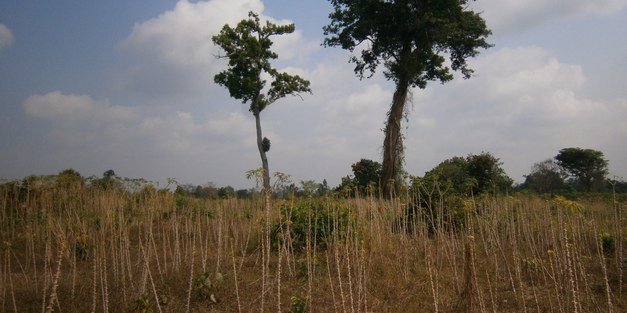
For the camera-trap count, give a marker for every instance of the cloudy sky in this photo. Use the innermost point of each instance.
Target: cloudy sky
(128, 86)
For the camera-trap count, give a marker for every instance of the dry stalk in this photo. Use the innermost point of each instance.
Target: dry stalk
(338, 268)
(94, 302)
(57, 275)
(191, 276)
(8, 273)
(239, 305)
(571, 274)
(331, 283)
(434, 292)
(152, 282)
(608, 290)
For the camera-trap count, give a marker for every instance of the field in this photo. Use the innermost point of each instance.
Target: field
(77, 249)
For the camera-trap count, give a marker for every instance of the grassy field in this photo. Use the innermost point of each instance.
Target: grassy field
(74, 249)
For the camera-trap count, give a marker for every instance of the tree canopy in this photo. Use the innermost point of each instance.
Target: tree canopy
(412, 40)
(586, 165)
(473, 174)
(545, 178)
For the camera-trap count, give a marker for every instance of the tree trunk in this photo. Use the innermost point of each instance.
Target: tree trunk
(262, 154)
(393, 143)
(266, 193)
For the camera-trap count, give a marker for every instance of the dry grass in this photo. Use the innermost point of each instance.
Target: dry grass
(84, 250)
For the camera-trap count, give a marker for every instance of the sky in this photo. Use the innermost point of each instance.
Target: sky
(128, 86)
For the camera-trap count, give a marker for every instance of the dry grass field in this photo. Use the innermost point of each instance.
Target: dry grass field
(76, 249)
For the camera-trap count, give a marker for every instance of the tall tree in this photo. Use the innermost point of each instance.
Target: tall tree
(587, 165)
(411, 38)
(247, 47)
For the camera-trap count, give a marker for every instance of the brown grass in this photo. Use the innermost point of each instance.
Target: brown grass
(86, 250)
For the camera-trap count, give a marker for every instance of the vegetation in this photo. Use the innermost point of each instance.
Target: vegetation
(72, 245)
(411, 39)
(587, 166)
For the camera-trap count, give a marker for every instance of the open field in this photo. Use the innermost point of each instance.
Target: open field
(89, 250)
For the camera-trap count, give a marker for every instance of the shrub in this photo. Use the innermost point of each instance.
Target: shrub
(320, 220)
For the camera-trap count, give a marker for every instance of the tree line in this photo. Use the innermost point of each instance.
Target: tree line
(572, 170)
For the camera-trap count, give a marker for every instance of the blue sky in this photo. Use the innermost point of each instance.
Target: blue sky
(127, 85)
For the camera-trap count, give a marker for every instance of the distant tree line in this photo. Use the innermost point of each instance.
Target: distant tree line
(572, 170)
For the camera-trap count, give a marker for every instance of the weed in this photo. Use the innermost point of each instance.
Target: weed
(299, 304)
(607, 244)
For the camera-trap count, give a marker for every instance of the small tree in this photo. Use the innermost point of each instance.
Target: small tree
(367, 176)
(586, 165)
(545, 177)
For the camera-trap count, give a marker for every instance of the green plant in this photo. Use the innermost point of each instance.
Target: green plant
(311, 218)
(607, 243)
(142, 304)
(204, 286)
(299, 304)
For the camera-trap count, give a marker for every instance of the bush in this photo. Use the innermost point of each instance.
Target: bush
(320, 220)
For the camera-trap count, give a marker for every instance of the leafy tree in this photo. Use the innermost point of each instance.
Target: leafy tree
(247, 47)
(109, 181)
(226, 192)
(366, 179)
(367, 176)
(474, 173)
(586, 165)
(488, 172)
(411, 38)
(69, 179)
(545, 178)
(451, 176)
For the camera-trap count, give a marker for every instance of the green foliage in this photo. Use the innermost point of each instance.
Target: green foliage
(607, 244)
(586, 165)
(247, 46)
(69, 179)
(299, 304)
(319, 220)
(142, 304)
(109, 181)
(204, 286)
(367, 176)
(366, 179)
(545, 178)
(410, 38)
(265, 143)
(442, 208)
(474, 174)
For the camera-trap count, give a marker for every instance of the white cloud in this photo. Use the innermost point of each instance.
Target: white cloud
(173, 54)
(523, 106)
(6, 37)
(515, 15)
(57, 106)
